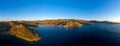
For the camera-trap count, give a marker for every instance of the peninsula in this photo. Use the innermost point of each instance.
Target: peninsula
(19, 30)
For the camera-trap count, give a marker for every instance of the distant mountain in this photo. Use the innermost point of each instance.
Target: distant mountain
(108, 22)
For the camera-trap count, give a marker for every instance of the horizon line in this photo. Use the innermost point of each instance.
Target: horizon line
(60, 19)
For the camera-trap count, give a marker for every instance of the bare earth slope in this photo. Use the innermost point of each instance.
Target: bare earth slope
(20, 31)
(67, 23)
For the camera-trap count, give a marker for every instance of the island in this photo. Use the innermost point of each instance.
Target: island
(107, 22)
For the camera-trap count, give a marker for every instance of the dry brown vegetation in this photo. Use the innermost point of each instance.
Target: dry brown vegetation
(67, 23)
(64, 21)
(21, 31)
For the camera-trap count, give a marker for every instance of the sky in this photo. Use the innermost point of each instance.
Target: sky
(60, 9)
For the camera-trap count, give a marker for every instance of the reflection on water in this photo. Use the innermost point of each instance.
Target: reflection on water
(99, 34)
(88, 35)
(7, 40)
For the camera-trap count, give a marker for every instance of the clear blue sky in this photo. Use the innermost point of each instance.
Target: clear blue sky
(60, 9)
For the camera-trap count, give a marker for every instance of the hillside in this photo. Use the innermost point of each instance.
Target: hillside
(67, 23)
(4, 26)
(20, 31)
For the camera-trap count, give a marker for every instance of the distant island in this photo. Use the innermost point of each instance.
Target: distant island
(20, 29)
(108, 22)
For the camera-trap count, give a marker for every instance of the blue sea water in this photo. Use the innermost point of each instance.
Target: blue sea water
(98, 34)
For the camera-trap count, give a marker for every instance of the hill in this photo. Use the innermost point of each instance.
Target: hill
(20, 31)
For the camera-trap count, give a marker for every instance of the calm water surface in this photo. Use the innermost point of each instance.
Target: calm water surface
(99, 34)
